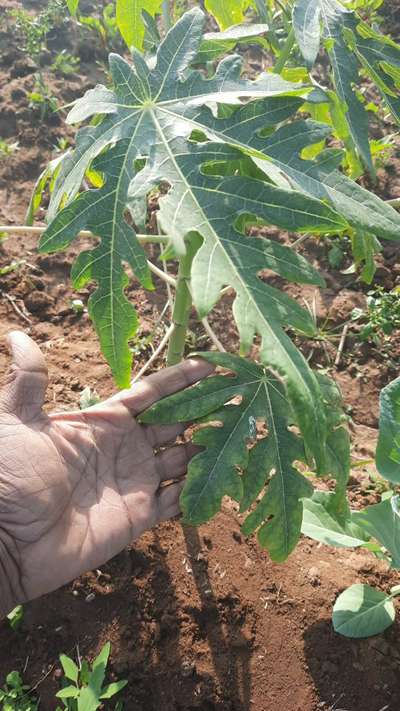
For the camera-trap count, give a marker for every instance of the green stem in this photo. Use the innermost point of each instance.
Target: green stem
(182, 306)
(285, 53)
(166, 15)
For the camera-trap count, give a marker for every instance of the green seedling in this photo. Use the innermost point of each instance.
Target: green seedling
(83, 686)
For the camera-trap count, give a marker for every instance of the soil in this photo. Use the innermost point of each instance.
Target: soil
(199, 619)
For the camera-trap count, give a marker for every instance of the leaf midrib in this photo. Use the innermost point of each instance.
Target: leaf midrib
(226, 443)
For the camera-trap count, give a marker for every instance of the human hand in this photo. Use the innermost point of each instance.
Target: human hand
(76, 488)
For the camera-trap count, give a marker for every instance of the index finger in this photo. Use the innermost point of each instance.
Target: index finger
(166, 382)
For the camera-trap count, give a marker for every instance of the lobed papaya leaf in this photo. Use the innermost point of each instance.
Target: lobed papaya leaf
(229, 408)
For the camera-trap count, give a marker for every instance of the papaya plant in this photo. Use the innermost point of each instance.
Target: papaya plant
(228, 153)
(362, 611)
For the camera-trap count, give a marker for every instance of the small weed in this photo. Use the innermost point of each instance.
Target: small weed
(83, 687)
(62, 144)
(42, 98)
(15, 617)
(65, 63)
(382, 315)
(14, 695)
(7, 149)
(104, 27)
(12, 267)
(88, 398)
(35, 28)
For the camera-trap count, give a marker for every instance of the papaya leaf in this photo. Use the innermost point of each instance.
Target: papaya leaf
(130, 22)
(350, 44)
(146, 102)
(382, 522)
(153, 112)
(215, 471)
(388, 449)
(214, 44)
(307, 28)
(279, 156)
(209, 205)
(362, 611)
(321, 524)
(102, 212)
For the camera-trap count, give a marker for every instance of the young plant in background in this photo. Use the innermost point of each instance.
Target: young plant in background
(15, 696)
(231, 151)
(381, 317)
(361, 611)
(83, 687)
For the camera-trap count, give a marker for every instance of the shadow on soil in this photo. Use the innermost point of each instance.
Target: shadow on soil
(351, 674)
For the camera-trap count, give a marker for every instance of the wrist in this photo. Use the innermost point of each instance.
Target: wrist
(10, 588)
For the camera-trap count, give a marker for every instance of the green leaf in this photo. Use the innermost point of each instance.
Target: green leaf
(214, 44)
(215, 471)
(388, 449)
(382, 522)
(71, 671)
(365, 247)
(361, 611)
(46, 177)
(227, 12)
(145, 102)
(102, 212)
(380, 57)
(321, 525)
(345, 75)
(15, 617)
(129, 19)
(68, 692)
(153, 112)
(278, 156)
(72, 6)
(307, 28)
(114, 688)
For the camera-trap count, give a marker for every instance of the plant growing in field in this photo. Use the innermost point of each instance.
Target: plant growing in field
(65, 63)
(8, 149)
(14, 696)
(382, 315)
(35, 28)
(83, 687)
(361, 611)
(232, 153)
(41, 97)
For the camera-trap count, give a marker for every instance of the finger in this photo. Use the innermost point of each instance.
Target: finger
(172, 463)
(25, 388)
(167, 381)
(157, 435)
(168, 501)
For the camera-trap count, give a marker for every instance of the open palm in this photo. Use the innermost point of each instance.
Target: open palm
(76, 488)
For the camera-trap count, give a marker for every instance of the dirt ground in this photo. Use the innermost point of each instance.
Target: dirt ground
(199, 619)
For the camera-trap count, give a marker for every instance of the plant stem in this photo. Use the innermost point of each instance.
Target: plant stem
(39, 229)
(182, 306)
(166, 15)
(285, 53)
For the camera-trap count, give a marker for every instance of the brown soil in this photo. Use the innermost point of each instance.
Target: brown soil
(198, 619)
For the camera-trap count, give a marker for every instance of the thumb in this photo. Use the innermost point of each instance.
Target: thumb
(25, 388)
